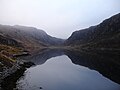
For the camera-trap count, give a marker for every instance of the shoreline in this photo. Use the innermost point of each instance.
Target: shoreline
(9, 76)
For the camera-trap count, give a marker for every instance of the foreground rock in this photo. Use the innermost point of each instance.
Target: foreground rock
(9, 76)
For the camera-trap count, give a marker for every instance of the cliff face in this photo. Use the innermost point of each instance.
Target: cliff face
(106, 34)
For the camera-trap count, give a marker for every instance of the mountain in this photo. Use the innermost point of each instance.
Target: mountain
(18, 41)
(29, 36)
(15, 40)
(104, 35)
(8, 41)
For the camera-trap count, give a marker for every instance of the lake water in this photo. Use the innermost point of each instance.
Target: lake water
(56, 70)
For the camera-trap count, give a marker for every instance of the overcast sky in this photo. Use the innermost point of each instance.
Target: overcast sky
(57, 17)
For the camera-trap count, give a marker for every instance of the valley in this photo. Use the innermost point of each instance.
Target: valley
(17, 41)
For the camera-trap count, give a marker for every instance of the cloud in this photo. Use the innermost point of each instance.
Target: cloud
(57, 16)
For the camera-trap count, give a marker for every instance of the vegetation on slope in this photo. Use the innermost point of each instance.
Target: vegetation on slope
(106, 35)
(7, 54)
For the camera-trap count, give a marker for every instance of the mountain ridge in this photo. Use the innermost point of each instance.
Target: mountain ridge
(29, 35)
(103, 35)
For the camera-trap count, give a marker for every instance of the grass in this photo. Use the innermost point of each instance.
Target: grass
(7, 53)
(9, 49)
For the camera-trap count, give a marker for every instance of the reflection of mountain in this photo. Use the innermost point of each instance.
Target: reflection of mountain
(41, 57)
(107, 65)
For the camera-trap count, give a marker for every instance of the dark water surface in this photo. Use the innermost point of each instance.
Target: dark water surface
(58, 70)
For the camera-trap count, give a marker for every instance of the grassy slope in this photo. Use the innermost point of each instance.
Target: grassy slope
(6, 55)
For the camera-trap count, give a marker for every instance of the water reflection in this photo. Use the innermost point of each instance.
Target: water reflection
(62, 73)
(40, 57)
(106, 64)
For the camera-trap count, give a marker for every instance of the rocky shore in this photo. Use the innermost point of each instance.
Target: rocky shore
(9, 76)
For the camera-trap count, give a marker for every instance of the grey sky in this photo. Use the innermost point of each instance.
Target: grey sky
(57, 17)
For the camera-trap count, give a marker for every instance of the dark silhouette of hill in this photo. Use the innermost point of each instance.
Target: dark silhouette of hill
(104, 35)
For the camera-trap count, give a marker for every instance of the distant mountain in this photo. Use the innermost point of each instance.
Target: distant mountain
(20, 40)
(104, 35)
(29, 36)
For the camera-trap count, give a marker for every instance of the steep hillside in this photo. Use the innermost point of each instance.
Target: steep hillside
(104, 35)
(8, 41)
(29, 36)
(8, 48)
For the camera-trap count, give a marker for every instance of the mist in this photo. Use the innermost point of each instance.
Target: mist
(58, 18)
